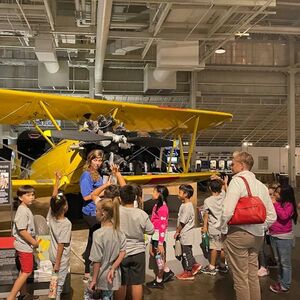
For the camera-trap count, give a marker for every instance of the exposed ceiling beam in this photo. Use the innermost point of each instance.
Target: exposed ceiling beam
(24, 6)
(145, 35)
(275, 30)
(157, 27)
(104, 11)
(203, 2)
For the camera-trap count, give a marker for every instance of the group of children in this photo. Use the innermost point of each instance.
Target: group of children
(118, 249)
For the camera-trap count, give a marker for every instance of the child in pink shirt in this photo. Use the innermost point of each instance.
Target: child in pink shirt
(281, 236)
(159, 219)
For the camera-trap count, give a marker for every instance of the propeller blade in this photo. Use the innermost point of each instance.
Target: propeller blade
(150, 141)
(83, 136)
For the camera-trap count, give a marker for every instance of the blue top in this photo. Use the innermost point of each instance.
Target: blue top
(87, 185)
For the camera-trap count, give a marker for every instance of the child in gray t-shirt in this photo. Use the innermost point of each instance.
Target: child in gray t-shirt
(108, 249)
(60, 234)
(25, 242)
(185, 224)
(212, 222)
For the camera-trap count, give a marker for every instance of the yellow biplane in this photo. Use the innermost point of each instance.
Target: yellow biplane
(18, 107)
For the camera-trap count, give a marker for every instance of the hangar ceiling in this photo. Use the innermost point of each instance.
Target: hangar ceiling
(104, 49)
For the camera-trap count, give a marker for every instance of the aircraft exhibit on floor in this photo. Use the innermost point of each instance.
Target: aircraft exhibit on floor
(123, 130)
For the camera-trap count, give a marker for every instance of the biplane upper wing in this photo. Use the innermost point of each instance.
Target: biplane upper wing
(17, 107)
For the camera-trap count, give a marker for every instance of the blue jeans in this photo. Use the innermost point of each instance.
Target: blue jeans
(283, 254)
(62, 274)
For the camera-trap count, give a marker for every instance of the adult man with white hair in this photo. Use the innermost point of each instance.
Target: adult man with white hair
(243, 242)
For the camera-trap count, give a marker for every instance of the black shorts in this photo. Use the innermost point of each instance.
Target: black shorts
(133, 269)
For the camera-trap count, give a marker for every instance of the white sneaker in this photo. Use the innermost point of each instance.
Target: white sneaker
(262, 272)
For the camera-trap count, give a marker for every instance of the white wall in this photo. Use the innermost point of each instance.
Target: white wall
(277, 157)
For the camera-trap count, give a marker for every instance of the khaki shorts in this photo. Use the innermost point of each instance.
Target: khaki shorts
(215, 242)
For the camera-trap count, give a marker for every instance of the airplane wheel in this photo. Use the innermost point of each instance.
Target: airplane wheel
(41, 226)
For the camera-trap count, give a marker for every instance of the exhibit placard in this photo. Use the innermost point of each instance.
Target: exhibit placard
(5, 183)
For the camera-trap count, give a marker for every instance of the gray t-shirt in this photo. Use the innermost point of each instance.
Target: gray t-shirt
(186, 215)
(60, 233)
(213, 206)
(23, 220)
(134, 222)
(107, 244)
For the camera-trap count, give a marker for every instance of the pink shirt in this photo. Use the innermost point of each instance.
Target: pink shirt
(283, 224)
(159, 220)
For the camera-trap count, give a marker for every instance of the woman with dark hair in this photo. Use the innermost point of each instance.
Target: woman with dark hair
(281, 236)
(91, 183)
(159, 219)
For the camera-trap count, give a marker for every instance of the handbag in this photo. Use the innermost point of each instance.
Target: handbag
(249, 209)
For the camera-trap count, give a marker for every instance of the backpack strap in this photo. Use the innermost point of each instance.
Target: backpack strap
(247, 186)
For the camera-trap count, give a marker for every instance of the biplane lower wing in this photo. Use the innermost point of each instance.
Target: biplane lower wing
(168, 178)
(42, 187)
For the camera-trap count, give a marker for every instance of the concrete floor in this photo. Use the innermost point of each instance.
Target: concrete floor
(205, 286)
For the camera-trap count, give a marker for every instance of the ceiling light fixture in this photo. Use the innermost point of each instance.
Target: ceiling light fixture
(240, 34)
(221, 50)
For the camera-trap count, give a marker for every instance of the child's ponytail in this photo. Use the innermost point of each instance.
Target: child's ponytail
(58, 204)
(111, 207)
(163, 195)
(116, 213)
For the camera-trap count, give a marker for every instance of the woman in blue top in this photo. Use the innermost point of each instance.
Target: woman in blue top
(91, 182)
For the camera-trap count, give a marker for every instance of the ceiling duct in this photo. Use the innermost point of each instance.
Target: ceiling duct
(46, 53)
(178, 55)
(159, 81)
(122, 47)
(103, 20)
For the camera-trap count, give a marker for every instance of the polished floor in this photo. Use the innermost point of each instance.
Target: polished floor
(203, 287)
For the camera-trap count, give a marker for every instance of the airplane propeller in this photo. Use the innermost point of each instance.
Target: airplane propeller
(83, 136)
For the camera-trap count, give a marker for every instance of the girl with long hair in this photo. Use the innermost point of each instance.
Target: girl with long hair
(159, 219)
(108, 249)
(60, 234)
(281, 235)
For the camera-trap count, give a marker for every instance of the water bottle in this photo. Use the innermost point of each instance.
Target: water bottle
(178, 249)
(159, 261)
(53, 286)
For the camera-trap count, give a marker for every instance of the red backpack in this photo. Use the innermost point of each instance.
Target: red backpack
(249, 209)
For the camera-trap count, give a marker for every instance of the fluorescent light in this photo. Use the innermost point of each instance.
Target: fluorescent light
(221, 50)
(242, 34)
